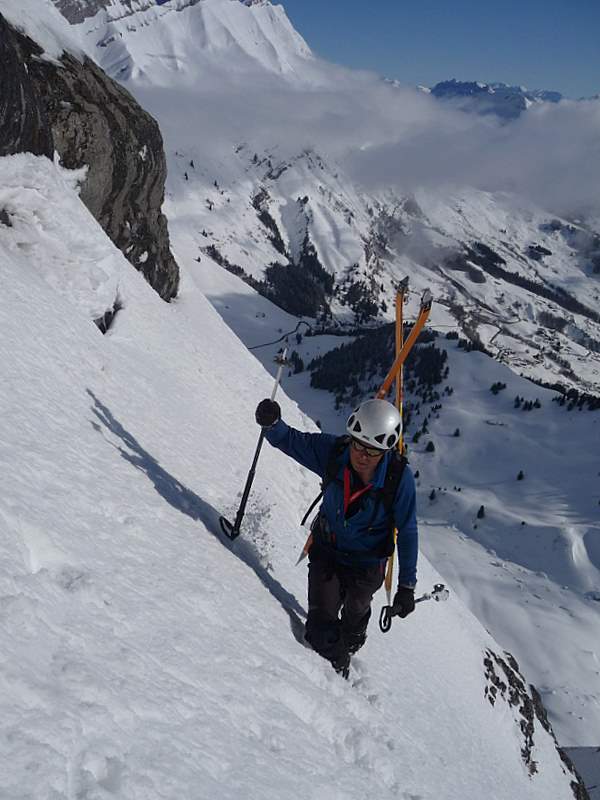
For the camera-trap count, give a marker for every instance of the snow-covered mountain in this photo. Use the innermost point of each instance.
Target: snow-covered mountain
(144, 41)
(265, 190)
(275, 163)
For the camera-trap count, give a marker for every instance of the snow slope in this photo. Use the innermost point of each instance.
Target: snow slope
(141, 656)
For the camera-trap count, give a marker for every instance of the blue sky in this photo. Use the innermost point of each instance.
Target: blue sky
(545, 44)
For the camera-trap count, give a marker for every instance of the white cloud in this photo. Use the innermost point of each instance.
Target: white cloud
(386, 135)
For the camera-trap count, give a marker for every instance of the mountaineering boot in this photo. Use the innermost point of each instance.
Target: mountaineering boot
(354, 641)
(342, 665)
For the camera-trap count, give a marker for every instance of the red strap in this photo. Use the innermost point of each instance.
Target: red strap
(350, 498)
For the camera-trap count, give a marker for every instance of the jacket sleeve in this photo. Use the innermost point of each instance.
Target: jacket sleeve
(309, 449)
(405, 515)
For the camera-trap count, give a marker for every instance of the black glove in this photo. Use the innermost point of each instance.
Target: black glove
(404, 602)
(267, 413)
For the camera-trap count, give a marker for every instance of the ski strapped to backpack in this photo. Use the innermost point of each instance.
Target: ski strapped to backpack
(387, 494)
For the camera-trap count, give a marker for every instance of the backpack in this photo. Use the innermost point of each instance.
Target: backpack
(387, 494)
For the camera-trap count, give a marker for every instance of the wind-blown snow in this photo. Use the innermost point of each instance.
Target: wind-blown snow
(142, 656)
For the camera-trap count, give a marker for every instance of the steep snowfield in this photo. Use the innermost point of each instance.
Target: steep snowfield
(141, 656)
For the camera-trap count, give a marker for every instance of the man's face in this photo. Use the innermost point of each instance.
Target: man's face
(364, 458)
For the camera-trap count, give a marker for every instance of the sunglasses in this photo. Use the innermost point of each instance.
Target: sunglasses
(371, 452)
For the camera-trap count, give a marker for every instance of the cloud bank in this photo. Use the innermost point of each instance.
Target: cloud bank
(385, 136)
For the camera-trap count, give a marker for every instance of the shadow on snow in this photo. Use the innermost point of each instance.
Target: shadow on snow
(187, 502)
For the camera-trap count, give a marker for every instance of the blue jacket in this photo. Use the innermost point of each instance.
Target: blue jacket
(368, 528)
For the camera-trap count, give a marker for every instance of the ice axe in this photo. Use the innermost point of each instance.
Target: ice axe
(438, 593)
(233, 531)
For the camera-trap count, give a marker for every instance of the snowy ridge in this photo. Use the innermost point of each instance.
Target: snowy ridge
(174, 42)
(140, 653)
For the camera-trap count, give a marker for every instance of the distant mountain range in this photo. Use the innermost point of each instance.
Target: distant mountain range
(501, 99)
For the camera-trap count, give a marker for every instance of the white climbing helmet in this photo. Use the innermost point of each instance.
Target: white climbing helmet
(376, 423)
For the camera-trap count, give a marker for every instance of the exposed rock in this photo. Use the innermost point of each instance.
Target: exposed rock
(23, 122)
(4, 218)
(106, 320)
(260, 202)
(505, 682)
(78, 111)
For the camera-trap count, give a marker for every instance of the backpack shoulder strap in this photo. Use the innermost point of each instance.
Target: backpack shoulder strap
(393, 477)
(333, 465)
(331, 470)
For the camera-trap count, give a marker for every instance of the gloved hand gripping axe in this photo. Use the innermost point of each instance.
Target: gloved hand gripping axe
(438, 593)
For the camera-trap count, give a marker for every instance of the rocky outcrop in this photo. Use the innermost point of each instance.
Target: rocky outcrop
(505, 683)
(23, 122)
(75, 109)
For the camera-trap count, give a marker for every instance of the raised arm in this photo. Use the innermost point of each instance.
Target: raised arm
(309, 449)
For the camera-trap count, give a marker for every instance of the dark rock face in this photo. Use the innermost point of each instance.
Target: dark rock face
(78, 111)
(23, 122)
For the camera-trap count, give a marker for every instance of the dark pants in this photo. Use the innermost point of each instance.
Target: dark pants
(333, 588)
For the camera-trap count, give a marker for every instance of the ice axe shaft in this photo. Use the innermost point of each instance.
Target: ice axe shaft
(438, 593)
(233, 531)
